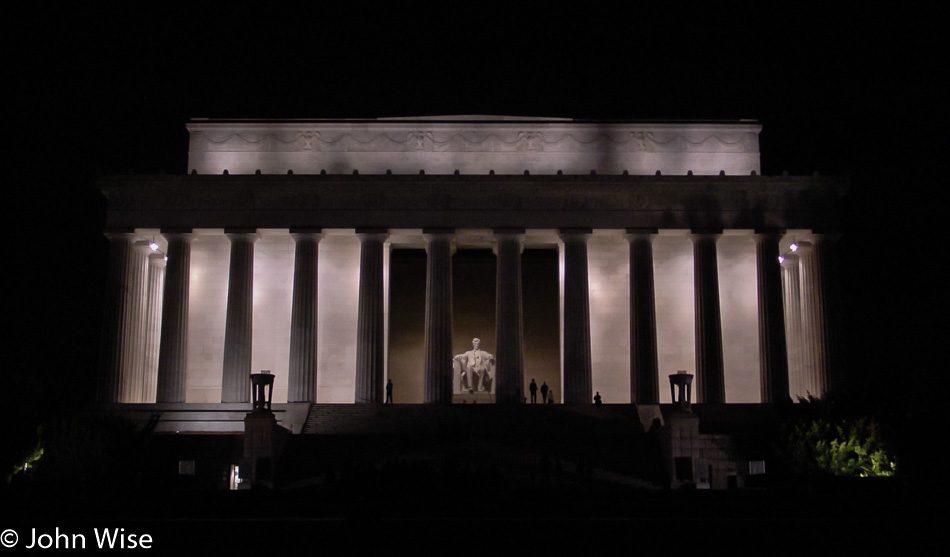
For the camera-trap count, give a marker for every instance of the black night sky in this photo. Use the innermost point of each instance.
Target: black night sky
(99, 92)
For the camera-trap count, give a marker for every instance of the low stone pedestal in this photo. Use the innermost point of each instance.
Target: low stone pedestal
(694, 459)
(473, 398)
(263, 442)
(683, 431)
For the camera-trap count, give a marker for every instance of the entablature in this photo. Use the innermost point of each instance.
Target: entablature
(466, 201)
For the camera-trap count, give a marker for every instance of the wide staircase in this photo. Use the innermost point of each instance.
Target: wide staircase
(517, 439)
(491, 420)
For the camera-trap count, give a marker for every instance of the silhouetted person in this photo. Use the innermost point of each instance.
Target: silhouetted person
(389, 391)
(533, 387)
(544, 392)
(597, 400)
(551, 400)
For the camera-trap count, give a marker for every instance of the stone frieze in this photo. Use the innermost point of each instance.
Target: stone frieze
(472, 141)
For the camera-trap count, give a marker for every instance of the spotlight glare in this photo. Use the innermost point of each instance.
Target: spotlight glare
(794, 247)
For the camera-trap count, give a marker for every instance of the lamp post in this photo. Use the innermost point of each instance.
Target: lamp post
(682, 382)
(262, 390)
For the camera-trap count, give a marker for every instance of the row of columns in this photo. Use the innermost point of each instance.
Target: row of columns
(801, 338)
(797, 325)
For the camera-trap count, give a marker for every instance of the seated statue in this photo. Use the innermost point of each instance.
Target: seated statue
(475, 369)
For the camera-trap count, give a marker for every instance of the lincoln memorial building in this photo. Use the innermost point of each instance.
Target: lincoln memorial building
(587, 256)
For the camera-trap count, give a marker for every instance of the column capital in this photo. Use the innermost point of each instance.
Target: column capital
(156, 259)
(508, 235)
(575, 234)
(180, 236)
(141, 246)
(436, 234)
(804, 247)
(248, 234)
(300, 236)
(699, 233)
(373, 233)
(641, 233)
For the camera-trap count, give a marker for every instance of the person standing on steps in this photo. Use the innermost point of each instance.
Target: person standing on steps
(533, 387)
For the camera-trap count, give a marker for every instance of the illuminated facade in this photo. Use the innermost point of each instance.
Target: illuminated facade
(280, 239)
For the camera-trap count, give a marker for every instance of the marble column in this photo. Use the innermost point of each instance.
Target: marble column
(173, 348)
(302, 376)
(831, 314)
(153, 324)
(793, 325)
(708, 322)
(823, 356)
(370, 325)
(644, 378)
(577, 360)
(813, 345)
(773, 354)
(509, 336)
(438, 342)
(133, 365)
(235, 379)
(117, 302)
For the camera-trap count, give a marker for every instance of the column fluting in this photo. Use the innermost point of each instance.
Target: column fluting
(708, 322)
(235, 380)
(116, 315)
(577, 358)
(813, 345)
(173, 346)
(370, 326)
(773, 353)
(153, 324)
(509, 335)
(644, 377)
(793, 324)
(302, 369)
(438, 318)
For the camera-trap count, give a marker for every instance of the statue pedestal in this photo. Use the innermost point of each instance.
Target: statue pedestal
(473, 398)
